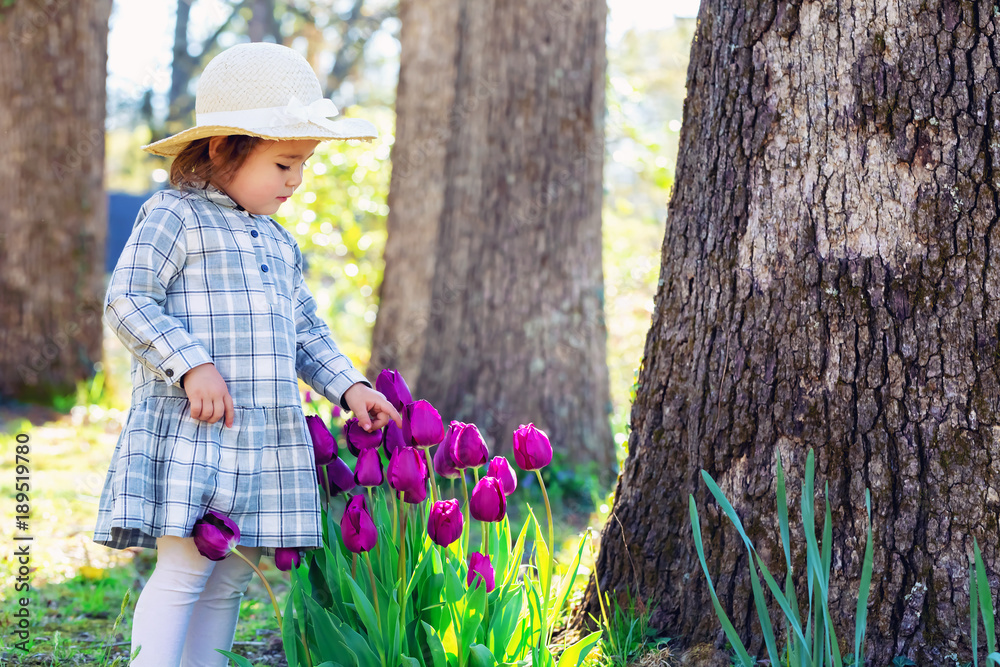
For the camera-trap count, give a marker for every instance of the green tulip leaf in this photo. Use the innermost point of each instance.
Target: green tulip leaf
(541, 554)
(576, 653)
(438, 656)
(566, 584)
(238, 659)
(367, 614)
(289, 634)
(472, 618)
(329, 641)
(453, 587)
(407, 661)
(480, 656)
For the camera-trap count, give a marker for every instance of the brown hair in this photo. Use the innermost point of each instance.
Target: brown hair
(194, 168)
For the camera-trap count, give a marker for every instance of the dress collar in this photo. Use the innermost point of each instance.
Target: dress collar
(217, 196)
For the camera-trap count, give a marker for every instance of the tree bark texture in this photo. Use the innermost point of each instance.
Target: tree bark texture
(53, 213)
(831, 280)
(492, 301)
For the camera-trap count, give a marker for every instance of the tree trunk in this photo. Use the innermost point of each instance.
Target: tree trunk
(829, 280)
(54, 215)
(492, 302)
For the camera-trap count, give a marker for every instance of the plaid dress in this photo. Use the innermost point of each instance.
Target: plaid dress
(201, 280)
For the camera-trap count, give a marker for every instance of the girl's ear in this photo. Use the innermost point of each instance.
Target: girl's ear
(213, 147)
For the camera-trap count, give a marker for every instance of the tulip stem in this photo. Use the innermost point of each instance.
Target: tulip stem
(486, 539)
(395, 516)
(467, 530)
(354, 567)
(371, 577)
(274, 601)
(430, 471)
(378, 614)
(402, 568)
(552, 559)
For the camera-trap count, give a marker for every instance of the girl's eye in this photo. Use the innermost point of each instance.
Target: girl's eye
(283, 167)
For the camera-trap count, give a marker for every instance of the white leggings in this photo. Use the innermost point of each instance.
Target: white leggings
(189, 606)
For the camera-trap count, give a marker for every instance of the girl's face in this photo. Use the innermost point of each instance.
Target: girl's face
(269, 175)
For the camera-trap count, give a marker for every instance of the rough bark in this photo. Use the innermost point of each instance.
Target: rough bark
(493, 291)
(830, 280)
(53, 215)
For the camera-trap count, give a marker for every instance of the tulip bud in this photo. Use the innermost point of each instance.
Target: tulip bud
(488, 502)
(444, 465)
(393, 387)
(334, 411)
(445, 521)
(368, 471)
(481, 569)
(285, 559)
(532, 449)
(324, 444)
(407, 470)
(215, 535)
(356, 526)
(469, 449)
(500, 469)
(392, 439)
(358, 438)
(422, 425)
(339, 476)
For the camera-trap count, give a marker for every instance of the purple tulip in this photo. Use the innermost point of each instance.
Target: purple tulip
(393, 387)
(500, 469)
(358, 438)
(532, 449)
(356, 526)
(416, 495)
(339, 476)
(368, 471)
(469, 450)
(444, 464)
(422, 425)
(334, 411)
(488, 502)
(392, 439)
(407, 470)
(285, 559)
(480, 565)
(445, 521)
(215, 535)
(324, 444)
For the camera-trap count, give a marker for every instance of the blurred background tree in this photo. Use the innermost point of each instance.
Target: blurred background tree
(53, 220)
(493, 297)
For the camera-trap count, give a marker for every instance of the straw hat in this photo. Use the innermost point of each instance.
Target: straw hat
(263, 90)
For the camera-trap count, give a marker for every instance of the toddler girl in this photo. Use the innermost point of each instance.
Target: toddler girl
(208, 296)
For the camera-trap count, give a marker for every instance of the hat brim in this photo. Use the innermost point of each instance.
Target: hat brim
(344, 128)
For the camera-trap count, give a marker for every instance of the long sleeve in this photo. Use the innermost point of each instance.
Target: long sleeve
(318, 361)
(134, 305)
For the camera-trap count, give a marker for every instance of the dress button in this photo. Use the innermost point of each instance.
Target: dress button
(169, 372)
(263, 267)
(254, 233)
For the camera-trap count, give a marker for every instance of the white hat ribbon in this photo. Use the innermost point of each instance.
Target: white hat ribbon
(317, 113)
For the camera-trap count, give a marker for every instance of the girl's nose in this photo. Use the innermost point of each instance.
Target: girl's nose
(295, 177)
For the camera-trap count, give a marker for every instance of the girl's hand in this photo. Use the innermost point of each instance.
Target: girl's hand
(209, 395)
(366, 404)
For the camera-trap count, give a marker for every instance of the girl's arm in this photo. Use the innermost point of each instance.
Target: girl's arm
(325, 368)
(133, 308)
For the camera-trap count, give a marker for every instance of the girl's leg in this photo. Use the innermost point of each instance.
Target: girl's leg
(213, 623)
(164, 607)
